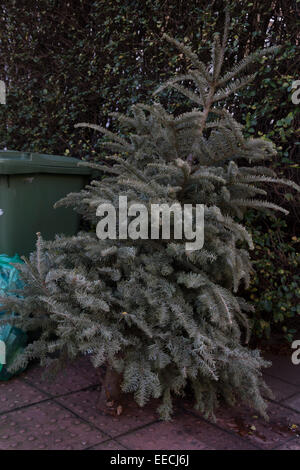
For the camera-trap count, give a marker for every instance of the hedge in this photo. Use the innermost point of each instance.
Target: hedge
(65, 62)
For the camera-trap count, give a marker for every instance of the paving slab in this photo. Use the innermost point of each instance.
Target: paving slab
(62, 414)
(283, 368)
(76, 376)
(185, 432)
(294, 444)
(109, 445)
(84, 405)
(46, 426)
(281, 389)
(16, 394)
(283, 424)
(293, 402)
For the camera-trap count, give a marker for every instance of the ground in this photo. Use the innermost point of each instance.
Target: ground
(36, 414)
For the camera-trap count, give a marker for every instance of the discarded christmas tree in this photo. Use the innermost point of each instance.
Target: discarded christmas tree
(160, 316)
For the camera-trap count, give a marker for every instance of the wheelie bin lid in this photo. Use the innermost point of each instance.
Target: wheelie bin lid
(13, 163)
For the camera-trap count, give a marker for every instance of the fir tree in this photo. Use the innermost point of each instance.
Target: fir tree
(160, 317)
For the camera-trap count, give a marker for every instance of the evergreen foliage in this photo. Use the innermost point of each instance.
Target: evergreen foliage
(44, 41)
(161, 316)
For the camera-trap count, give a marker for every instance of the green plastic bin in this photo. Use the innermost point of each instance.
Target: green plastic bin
(30, 184)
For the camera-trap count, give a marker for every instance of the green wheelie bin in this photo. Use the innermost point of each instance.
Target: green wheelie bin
(30, 184)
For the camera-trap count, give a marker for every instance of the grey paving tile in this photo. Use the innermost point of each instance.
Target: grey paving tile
(293, 402)
(280, 388)
(281, 427)
(16, 393)
(84, 404)
(109, 445)
(76, 376)
(283, 368)
(46, 426)
(185, 432)
(294, 444)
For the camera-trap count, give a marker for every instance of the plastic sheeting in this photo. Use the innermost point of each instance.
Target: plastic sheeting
(13, 340)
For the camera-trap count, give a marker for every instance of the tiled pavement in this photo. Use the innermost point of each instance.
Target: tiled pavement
(36, 414)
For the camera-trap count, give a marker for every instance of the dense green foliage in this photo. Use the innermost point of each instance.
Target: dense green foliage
(160, 314)
(274, 290)
(65, 62)
(71, 61)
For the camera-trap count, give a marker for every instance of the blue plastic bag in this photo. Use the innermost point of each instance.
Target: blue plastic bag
(9, 276)
(13, 338)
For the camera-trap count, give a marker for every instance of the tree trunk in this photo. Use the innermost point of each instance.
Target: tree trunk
(110, 396)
